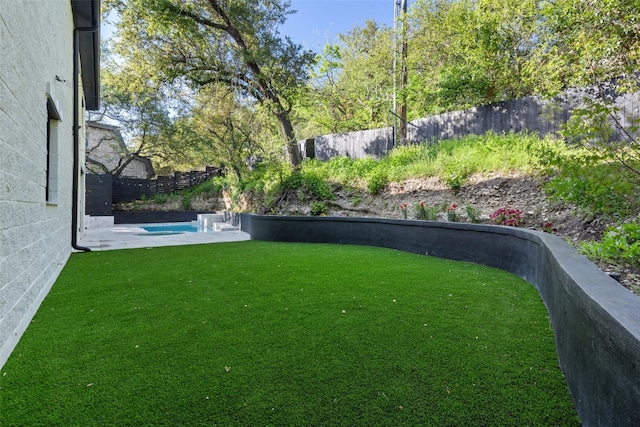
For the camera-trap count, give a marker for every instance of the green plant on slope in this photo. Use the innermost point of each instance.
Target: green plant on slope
(620, 244)
(318, 208)
(473, 214)
(420, 211)
(310, 183)
(452, 214)
(377, 182)
(597, 187)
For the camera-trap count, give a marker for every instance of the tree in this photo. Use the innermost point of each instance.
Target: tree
(235, 43)
(150, 119)
(352, 85)
(228, 129)
(468, 52)
(593, 45)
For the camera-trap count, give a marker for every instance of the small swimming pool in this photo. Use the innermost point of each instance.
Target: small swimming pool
(164, 229)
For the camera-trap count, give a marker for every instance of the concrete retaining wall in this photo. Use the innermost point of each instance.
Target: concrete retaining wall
(595, 320)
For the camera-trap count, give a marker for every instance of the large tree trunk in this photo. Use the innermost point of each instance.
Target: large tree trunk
(262, 82)
(293, 151)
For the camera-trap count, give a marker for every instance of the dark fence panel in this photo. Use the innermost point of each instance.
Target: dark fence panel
(130, 189)
(104, 190)
(98, 194)
(152, 217)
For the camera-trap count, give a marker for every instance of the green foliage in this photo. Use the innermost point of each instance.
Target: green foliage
(318, 208)
(620, 244)
(595, 186)
(423, 212)
(455, 177)
(186, 202)
(453, 161)
(473, 214)
(593, 45)
(452, 213)
(467, 52)
(350, 89)
(199, 45)
(160, 198)
(213, 186)
(377, 181)
(310, 183)
(420, 211)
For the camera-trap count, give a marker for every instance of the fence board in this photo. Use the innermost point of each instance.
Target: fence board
(98, 194)
(528, 113)
(104, 190)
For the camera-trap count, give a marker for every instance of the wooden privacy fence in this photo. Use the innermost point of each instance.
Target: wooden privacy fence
(129, 189)
(524, 114)
(104, 190)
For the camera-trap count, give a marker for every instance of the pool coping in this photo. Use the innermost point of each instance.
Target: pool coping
(131, 236)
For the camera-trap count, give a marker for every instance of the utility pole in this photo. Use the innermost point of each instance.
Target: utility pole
(396, 4)
(403, 75)
(400, 26)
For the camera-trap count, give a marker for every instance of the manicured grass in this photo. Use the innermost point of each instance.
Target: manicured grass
(256, 333)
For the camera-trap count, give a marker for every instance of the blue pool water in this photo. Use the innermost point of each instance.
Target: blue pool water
(171, 228)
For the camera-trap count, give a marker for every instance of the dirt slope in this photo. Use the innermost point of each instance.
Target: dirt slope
(485, 194)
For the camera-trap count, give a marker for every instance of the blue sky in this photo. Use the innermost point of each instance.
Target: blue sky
(319, 21)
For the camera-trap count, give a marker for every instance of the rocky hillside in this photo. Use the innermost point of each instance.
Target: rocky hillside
(481, 196)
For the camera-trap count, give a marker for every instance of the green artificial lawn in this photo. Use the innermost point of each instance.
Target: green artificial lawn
(257, 334)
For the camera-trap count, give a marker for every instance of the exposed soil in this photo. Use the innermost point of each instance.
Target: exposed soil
(485, 194)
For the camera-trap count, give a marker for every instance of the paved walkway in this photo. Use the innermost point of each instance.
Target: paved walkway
(125, 236)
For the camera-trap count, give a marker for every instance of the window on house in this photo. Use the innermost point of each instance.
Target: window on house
(53, 120)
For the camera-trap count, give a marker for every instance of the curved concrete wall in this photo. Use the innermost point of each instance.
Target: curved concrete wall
(596, 321)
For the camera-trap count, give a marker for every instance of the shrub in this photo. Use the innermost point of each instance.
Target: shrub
(452, 215)
(420, 211)
(311, 184)
(186, 202)
(318, 208)
(620, 244)
(507, 216)
(377, 182)
(473, 214)
(432, 213)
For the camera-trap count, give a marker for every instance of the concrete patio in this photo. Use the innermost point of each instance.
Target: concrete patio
(128, 236)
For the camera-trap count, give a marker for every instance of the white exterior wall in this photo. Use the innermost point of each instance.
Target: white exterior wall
(36, 47)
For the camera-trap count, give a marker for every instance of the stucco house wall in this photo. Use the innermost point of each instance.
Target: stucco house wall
(36, 155)
(106, 152)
